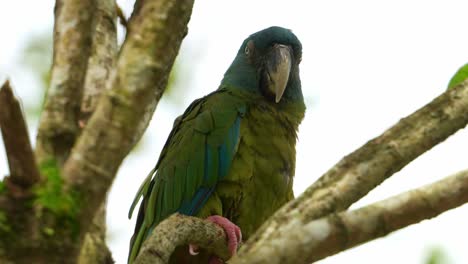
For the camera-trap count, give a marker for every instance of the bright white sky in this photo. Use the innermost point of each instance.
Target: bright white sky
(366, 64)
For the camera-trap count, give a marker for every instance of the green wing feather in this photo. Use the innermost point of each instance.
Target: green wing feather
(196, 156)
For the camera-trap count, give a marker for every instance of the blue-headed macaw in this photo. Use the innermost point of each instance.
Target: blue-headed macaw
(231, 156)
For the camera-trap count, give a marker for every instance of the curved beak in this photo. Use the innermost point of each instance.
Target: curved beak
(278, 67)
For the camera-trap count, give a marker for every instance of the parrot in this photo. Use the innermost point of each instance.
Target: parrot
(230, 157)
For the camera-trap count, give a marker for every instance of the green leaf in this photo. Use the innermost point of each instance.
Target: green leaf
(437, 255)
(459, 77)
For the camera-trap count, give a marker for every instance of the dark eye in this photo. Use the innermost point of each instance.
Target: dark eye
(247, 50)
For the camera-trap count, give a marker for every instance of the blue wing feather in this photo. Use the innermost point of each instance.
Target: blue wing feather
(225, 155)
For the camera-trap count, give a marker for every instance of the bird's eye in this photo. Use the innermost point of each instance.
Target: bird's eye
(249, 48)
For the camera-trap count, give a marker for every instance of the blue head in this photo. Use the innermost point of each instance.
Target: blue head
(268, 63)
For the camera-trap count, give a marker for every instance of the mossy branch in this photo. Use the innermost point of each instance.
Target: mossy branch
(125, 108)
(51, 197)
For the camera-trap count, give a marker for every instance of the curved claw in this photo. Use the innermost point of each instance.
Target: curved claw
(193, 250)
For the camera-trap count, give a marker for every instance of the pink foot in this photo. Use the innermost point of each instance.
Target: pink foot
(233, 234)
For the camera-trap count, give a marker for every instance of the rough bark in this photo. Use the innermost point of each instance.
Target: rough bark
(100, 64)
(51, 222)
(24, 174)
(102, 57)
(58, 127)
(95, 250)
(21, 161)
(25, 224)
(123, 112)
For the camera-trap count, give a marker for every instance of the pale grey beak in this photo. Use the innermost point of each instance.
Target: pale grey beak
(278, 67)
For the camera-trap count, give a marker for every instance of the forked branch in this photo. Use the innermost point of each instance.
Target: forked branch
(58, 126)
(124, 110)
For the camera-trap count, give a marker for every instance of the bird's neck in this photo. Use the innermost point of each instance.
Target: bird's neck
(241, 75)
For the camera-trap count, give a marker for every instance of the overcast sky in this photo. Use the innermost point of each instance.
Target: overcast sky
(366, 64)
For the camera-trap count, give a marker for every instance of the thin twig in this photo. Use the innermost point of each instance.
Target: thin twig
(121, 16)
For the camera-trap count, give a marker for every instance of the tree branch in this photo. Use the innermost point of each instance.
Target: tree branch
(364, 169)
(23, 168)
(58, 127)
(101, 61)
(178, 230)
(123, 111)
(95, 250)
(317, 239)
(311, 241)
(102, 58)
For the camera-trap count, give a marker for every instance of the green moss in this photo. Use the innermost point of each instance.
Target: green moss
(51, 196)
(4, 226)
(48, 231)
